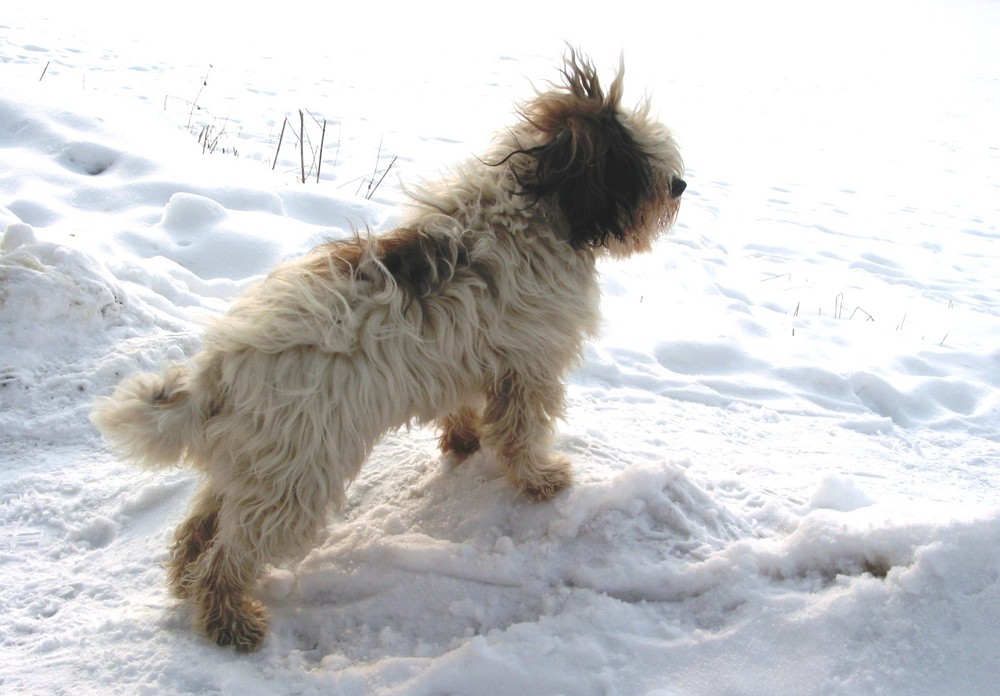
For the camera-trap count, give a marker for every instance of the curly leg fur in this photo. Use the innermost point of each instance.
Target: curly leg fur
(220, 586)
(191, 539)
(224, 545)
(518, 423)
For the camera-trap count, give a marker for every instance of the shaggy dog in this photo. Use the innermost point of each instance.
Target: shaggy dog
(467, 316)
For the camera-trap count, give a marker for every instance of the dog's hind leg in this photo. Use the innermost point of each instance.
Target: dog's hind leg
(460, 432)
(221, 587)
(222, 580)
(192, 537)
(519, 424)
(263, 522)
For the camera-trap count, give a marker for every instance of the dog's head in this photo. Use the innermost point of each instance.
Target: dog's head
(614, 174)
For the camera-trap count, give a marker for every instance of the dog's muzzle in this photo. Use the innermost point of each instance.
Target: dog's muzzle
(677, 187)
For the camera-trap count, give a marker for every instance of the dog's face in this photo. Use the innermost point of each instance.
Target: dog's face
(614, 174)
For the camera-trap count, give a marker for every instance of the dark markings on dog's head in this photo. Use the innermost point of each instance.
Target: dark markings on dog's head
(420, 262)
(588, 160)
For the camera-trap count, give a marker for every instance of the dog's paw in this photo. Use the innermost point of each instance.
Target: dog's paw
(458, 444)
(242, 628)
(544, 481)
(459, 435)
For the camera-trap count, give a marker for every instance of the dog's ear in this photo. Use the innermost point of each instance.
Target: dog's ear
(598, 175)
(588, 160)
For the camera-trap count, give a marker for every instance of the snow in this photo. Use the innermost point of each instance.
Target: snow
(786, 439)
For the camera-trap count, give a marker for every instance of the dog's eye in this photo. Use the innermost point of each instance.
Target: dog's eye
(677, 187)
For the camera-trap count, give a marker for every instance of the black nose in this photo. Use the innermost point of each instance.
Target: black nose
(677, 187)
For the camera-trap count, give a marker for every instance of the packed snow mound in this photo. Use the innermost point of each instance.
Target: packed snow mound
(48, 289)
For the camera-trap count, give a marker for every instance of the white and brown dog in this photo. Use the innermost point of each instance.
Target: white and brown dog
(469, 315)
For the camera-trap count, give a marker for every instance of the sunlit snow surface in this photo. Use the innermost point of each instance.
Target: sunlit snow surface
(786, 438)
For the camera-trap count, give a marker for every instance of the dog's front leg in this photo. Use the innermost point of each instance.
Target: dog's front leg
(519, 425)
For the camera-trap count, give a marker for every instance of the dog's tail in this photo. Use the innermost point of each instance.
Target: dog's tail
(149, 419)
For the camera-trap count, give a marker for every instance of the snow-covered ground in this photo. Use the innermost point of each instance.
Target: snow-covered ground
(786, 440)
